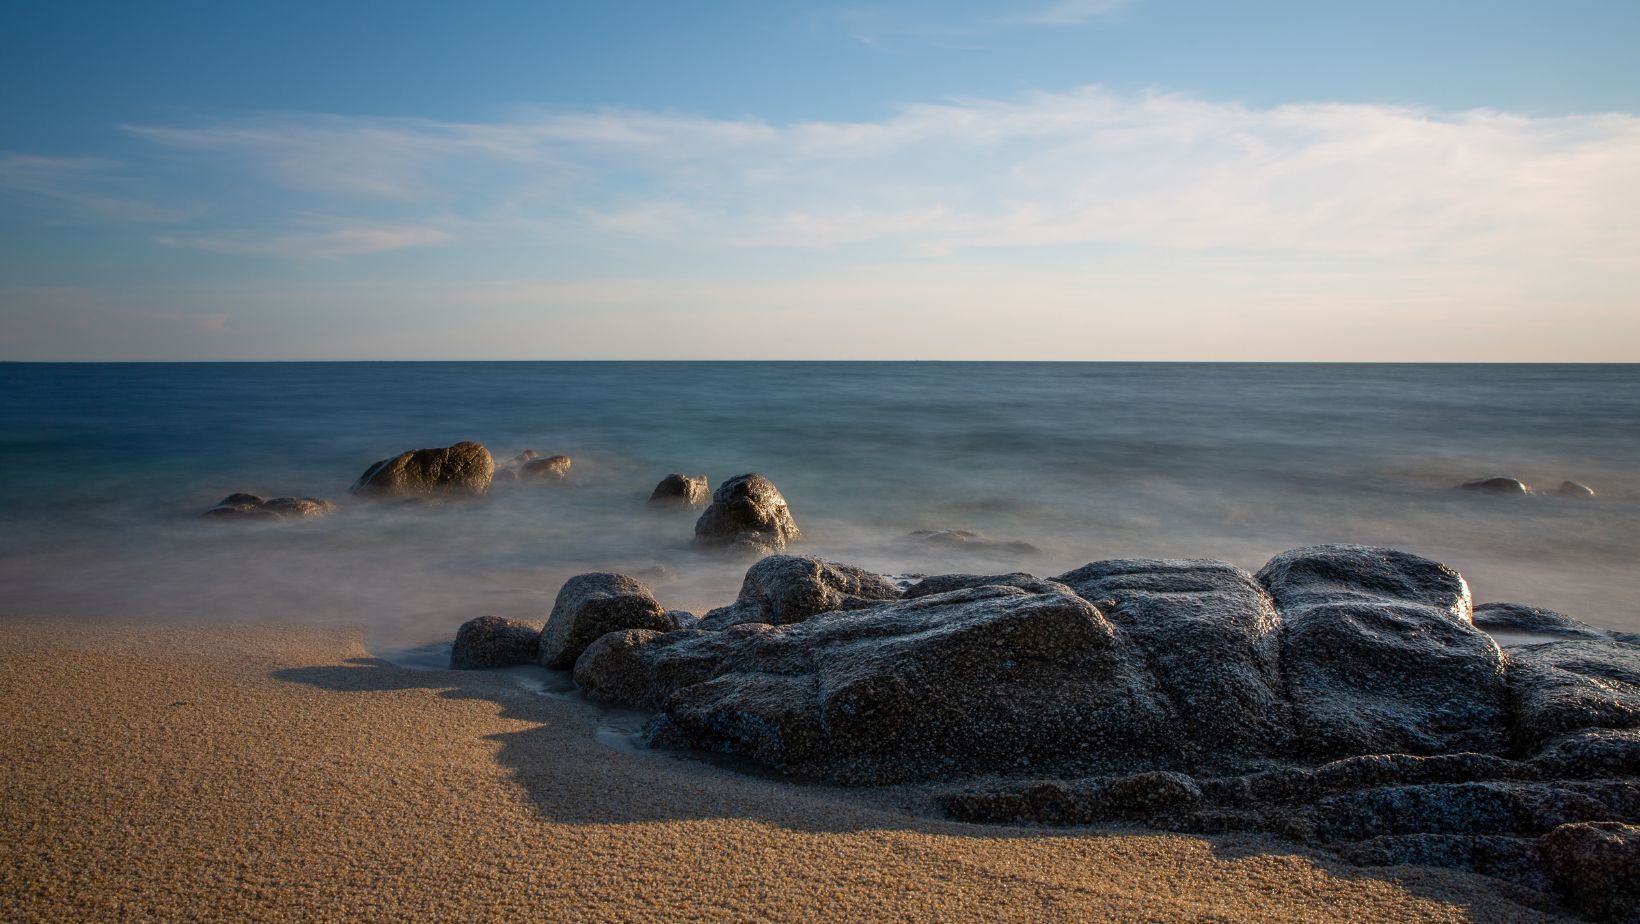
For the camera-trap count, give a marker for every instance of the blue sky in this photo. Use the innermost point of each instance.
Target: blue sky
(1080, 179)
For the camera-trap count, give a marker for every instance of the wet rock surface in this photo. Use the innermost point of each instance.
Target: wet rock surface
(748, 514)
(680, 492)
(1574, 489)
(242, 506)
(1342, 697)
(1518, 617)
(464, 469)
(590, 606)
(490, 641)
(783, 589)
(1496, 485)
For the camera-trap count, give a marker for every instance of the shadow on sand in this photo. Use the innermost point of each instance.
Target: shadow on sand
(574, 747)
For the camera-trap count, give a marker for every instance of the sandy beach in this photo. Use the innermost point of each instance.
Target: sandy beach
(233, 772)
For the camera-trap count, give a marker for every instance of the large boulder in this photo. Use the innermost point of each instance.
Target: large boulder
(464, 469)
(680, 492)
(1561, 687)
(1379, 654)
(1597, 866)
(490, 641)
(592, 605)
(784, 589)
(643, 667)
(251, 507)
(747, 514)
(970, 681)
(1210, 635)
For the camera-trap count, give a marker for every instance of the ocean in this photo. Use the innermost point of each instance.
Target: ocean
(107, 468)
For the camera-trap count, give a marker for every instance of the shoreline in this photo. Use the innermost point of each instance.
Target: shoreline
(261, 771)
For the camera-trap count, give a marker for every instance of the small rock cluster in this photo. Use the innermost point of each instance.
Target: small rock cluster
(251, 507)
(1514, 486)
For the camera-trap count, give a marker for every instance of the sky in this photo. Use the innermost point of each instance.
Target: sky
(1037, 180)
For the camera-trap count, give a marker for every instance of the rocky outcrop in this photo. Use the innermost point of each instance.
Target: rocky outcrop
(490, 641)
(1597, 866)
(1379, 654)
(783, 589)
(551, 468)
(1496, 485)
(464, 469)
(680, 492)
(251, 507)
(592, 605)
(747, 514)
(1559, 687)
(1209, 635)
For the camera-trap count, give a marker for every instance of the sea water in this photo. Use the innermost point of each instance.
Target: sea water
(105, 468)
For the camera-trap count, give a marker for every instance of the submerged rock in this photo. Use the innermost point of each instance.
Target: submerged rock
(550, 468)
(784, 589)
(1497, 485)
(1574, 489)
(684, 492)
(242, 506)
(591, 605)
(747, 514)
(490, 641)
(464, 469)
(963, 540)
(1379, 654)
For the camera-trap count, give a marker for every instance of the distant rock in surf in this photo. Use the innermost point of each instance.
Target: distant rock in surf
(680, 492)
(1518, 617)
(464, 469)
(1574, 489)
(747, 514)
(1496, 485)
(963, 540)
(490, 641)
(783, 589)
(242, 506)
(551, 468)
(592, 605)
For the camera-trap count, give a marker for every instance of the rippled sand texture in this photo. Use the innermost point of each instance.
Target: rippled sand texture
(232, 773)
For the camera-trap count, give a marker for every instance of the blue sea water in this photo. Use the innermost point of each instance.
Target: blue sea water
(106, 468)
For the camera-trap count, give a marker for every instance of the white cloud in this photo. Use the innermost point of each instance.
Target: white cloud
(323, 245)
(1071, 12)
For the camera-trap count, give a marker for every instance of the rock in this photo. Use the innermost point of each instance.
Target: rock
(521, 458)
(945, 583)
(1491, 807)
(1574, 489)
(1561, 687)
(1515, 859)
(643, 667)
(1209, 634)
(783, 589)
(1496, 486)
(1597, 866)
(464, 469)
(1591, 753)
(490, 641)
(747, 514)
(591, 605)
(249, 506)
(684, 492)
(1520, 618)
(963, 540)
(1379, 654)
(964, 682)
(552, 467)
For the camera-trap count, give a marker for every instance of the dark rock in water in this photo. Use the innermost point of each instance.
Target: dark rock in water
(1379, 654)
(964, 540)
(1597, 866)
(249, 506)
(784, 589)
(1209, 635)
(1496, 486)
(550, 468)
(684, 492)
(964, 682)
(1518, 617)
(522, 457)
(747, 514)
(643, 668)
(1561, 687)
(592, 605)
(1574, 489)
(462, 469)
(490, 641)
(945, 583)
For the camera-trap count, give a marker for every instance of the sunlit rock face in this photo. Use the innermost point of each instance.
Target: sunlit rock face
(464, 469)
(252, 507)
(590, 606)
(680, 492)
(748, 514)
(784, 589)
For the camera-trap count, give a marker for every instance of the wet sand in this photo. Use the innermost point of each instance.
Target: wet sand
(231, 772)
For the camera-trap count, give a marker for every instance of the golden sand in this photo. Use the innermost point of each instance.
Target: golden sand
(279, 773)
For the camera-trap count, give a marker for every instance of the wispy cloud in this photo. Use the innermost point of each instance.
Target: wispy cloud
(323, 245)
(82, 188)
(1070, 12)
